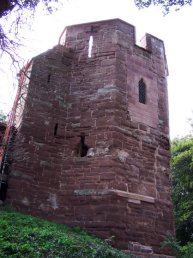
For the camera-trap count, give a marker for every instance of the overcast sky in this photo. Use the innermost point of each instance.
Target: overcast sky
(174, 29)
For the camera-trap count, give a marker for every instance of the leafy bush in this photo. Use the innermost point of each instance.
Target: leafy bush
(185, 251)
(182, 188)
(27, 236)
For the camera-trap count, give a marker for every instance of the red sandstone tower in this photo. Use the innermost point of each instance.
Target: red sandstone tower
(92, 148)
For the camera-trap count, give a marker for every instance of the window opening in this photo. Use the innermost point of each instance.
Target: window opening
(142, 92)
(49, 77)
(55, 129)
(90, 45)
(82, 147)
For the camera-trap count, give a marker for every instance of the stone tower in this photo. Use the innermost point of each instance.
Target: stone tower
(92, 147)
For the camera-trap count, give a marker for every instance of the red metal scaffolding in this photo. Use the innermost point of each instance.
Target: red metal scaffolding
(12, 114)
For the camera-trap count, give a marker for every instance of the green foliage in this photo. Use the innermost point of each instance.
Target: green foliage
(26, 236)
(2, 116)
(182, 188)
(15, 15)
(185, 251)
(166, 4)
(8, 6)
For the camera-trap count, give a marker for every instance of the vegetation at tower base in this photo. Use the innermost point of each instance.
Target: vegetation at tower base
(180, 251)
(182, 188)
(27, 236)
(182, 195)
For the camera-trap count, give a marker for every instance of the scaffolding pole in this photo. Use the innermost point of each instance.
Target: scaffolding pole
(10, 124)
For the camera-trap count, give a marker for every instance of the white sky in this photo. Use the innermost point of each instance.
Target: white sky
(174, 29)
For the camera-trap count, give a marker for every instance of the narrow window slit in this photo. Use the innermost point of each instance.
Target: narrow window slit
(49, 77)
(90, 45)
(82, 148)
(55, 129)
(142, 92)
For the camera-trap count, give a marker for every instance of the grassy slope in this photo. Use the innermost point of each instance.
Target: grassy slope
(27, 236)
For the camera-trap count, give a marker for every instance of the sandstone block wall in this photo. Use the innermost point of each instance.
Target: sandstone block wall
(121, 187)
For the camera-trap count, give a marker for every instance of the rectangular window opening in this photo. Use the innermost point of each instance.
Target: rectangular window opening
(90, 45)
(142, 92)
(49, 77)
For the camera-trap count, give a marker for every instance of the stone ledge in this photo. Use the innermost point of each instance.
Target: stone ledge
(132, 197)
(142, 255)
(137, 250)
(89, 192)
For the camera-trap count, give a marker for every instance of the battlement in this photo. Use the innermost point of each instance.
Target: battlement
(109, 32)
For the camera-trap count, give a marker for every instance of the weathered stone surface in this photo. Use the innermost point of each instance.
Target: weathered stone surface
(70, 94)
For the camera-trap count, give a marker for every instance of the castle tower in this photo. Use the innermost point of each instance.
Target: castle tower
(92, 148)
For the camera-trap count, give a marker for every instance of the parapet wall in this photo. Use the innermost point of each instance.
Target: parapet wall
(110, 31)
(120, 187)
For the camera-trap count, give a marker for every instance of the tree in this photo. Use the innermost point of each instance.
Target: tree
(165, 4)
(182, 188)
(14, 14)
(2, 116)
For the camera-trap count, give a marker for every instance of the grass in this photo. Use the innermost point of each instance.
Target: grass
(26, 236)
